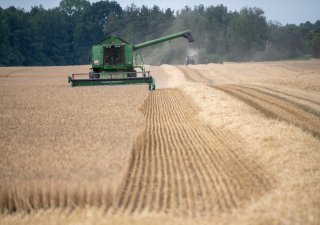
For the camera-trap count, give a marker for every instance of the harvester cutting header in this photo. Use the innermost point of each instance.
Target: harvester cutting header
(114, 61)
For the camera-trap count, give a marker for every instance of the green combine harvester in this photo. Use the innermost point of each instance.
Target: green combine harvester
(114, 62)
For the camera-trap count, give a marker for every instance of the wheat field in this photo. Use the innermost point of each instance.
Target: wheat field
(236, 143)
(58, 143)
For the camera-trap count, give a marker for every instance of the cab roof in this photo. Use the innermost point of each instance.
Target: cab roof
(113, 39)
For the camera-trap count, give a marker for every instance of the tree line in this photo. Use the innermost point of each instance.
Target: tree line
(64, 35)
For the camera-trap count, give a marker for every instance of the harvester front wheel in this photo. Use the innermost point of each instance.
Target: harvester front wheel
(152, 87)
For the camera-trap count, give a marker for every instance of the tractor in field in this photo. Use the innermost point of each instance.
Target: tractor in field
(190, 59)
(114, 61)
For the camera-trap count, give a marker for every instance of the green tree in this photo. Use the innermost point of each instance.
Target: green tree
(218, 21)
(315, 43)
(289, 41)
(4, 38)
(247, 33)
(72, 7)
(90, 27)
(18, 36)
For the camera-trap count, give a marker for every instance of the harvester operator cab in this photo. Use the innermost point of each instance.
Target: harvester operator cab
(114, 54)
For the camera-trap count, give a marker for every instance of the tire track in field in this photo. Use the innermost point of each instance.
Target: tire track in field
(194, 75)
(12, 72)
(291, 101)
(275, 106)
(290, 95)
(183, 166)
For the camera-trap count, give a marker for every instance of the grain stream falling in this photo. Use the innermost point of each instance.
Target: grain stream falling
(185, 167)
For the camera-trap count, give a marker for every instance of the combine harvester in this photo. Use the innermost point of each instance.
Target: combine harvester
(114, 61)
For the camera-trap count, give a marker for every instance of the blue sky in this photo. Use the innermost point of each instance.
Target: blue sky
(284, 11)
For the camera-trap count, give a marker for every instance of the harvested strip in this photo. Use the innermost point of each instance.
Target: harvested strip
(290, 95)
(276, 107)
(304, 107)
(186, 167)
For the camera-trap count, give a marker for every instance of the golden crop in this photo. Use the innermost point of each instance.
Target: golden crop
(236, 143)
